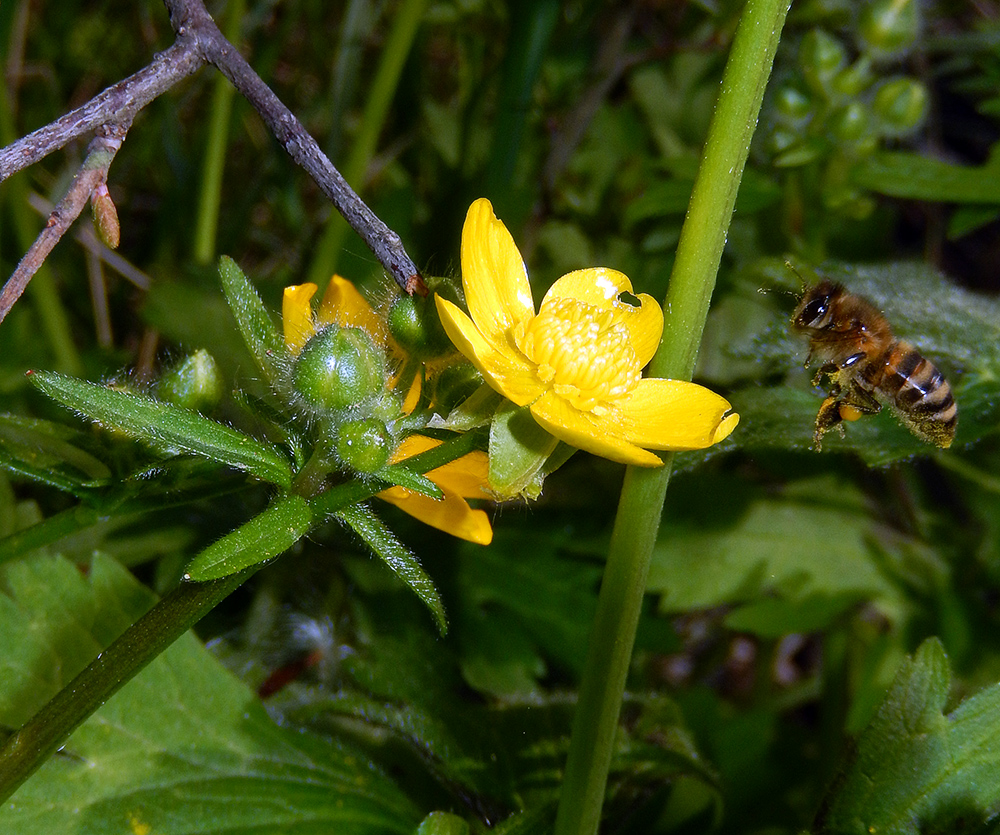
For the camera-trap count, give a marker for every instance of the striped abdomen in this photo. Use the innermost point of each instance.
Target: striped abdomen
(920, 394)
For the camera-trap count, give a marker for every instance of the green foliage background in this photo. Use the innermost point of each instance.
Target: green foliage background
(819, 650)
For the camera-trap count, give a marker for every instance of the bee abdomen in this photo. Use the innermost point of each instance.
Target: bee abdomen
(921, 394)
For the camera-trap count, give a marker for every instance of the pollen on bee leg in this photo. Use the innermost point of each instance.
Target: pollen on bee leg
(848, 412)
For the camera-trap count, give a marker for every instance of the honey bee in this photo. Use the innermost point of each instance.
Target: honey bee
(868, 367)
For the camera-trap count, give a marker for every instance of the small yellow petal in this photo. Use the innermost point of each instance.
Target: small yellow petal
(507, 372)
(451, 514)
(493, 274)
(672, 414)
(296, 315)
(343, 305)
(466, 475)
(587, 431)
(601, 287)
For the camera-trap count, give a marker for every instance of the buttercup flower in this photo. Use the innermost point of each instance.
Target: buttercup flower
(344, 306)
(459, 480)
(577, 364)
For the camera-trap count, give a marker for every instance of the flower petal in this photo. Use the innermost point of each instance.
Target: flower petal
(586, 431)
(671, 414)
(343, 305)
(508, 373)
(602, 287)
(493, 275)
(296, 315)
(451, 514)
(466, 476)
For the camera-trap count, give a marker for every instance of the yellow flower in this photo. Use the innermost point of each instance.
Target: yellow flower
(459, 480)
(344, 306)
(577, 363)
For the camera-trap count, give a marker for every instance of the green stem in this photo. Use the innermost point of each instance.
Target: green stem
(207, 223)
(691, 284)
(406, 20)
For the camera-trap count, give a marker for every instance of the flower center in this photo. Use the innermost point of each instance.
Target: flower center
(583, 352)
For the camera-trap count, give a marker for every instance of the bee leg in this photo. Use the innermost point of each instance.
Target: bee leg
(827, 417)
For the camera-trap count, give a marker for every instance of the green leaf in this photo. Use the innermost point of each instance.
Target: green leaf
(184, 747)
(443, 823)
(267, 535)
(394, 554)
(915, 770)
(916, 177)
(769, 546)
(262, 338)
(164, 426)
(44, 444)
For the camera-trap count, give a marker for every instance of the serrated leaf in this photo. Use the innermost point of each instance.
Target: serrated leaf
(395, 555)
(267, 535)
(914, 769)
(262, 338)
(166, 427)
(184, 747)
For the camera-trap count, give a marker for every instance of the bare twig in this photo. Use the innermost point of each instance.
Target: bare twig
(92, 173)
(189, 17)
(199, 41)
(119, 103)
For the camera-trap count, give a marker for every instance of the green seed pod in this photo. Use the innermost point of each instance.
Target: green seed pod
(364, 445)
(888, 28)
(338, 368)
(194, 383)
(900, 105)
(414, 324)
(821, 57)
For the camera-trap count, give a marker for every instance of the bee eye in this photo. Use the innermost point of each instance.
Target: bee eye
(813, 311)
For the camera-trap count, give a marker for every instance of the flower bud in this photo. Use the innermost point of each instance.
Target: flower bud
(338, 368)
(414, 324)
(900, 105)
(792, 105)
(364, 445)
(889, 27)
(852, 81)
(851, 123)
(194, 383)
(821, 57)
(105, 216)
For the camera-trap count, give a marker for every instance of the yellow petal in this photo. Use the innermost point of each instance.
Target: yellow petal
(343, 305)
(451, 514)
(671, 414)
(601, 287)
(508, 373)
(296, 315)
(586, 431)
(493, 274)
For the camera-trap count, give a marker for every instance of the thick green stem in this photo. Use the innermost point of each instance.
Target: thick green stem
(686, 307)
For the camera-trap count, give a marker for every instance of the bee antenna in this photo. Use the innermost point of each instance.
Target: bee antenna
(798, 275)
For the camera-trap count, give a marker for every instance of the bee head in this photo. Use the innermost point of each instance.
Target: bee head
(814, 306)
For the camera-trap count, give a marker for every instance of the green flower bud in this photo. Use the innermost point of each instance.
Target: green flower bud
(414, 324)
(194, 383)
(852, 81)
(889, 27)
(792, 105)
(339, 367)
(851, 123)
(364, 445)
(900, 105)
(821, 56)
